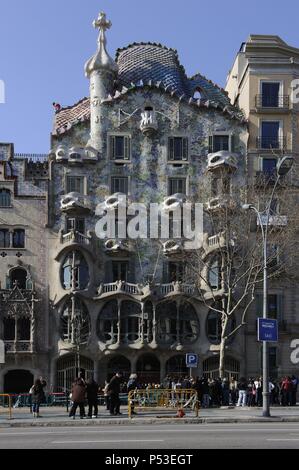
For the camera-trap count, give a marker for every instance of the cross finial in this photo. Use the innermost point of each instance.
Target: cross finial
(102, 24)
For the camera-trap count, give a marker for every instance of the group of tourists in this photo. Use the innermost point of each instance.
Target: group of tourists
(245, 392)
(210, 392)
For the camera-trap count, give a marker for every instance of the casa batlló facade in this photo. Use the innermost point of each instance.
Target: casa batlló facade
(70, 300)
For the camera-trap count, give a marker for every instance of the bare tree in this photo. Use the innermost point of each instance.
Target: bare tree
(228, 268)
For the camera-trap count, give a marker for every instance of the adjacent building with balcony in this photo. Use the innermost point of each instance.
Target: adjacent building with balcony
(263, 82)
(24, 333)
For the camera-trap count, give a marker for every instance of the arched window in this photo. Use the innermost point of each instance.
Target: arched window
(4, 238)
(215, 274)
(214, 326)
(189, 324)
(177, 324)
(166, 314)
(107, 323)
(18, 276)
(19, 238)
(131, 321)
(74, 271)
(5, 198)
(75, 322)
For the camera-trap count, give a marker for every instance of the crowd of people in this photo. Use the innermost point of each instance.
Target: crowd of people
(210, 392)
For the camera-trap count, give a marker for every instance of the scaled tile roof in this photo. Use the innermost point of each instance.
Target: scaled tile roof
(155, 66)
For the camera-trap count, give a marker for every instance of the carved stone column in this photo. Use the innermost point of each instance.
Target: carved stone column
(118, 321)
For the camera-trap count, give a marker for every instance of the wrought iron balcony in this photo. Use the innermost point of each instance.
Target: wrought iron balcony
(279, 102)
(271, 143)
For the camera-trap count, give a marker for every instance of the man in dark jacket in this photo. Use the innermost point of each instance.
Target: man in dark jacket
(114, 390)
(92, 389)
(78, 396)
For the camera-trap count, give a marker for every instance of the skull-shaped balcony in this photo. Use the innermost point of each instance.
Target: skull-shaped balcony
(75, 204)
(222, 162)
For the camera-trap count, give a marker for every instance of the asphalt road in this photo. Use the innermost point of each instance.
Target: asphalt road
(177, 436)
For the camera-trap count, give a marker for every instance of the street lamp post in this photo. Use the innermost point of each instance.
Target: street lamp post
(284, 165)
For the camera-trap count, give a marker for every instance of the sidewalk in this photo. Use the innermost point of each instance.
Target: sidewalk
(57, 416)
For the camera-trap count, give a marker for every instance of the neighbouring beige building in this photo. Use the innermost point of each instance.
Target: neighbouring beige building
(263, 82)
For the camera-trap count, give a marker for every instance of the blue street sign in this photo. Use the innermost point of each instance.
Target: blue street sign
(267, 329)
(192, 360)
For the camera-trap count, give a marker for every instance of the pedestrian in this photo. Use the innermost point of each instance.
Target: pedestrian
(132, 386)
(38, 396)
(242, 387)
(92, 389)
(107, 395)
(114, 390)
(294, 390)
(78, 397)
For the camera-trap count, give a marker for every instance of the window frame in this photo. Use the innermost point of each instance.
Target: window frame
(83, 180)
(113, 178)
(280, 92)
(7, 191)
(231, 141)
(185, 156)
(170, 179)
(127, 147)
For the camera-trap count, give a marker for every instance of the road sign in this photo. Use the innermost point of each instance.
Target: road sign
(267, 329)
(192, 360)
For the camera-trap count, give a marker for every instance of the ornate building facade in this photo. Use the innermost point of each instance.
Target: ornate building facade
(145, 132)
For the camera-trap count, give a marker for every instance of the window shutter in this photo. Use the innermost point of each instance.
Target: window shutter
(171, 148)
(112, 147)
(185, 148)
(232, 143)
(211, 141)
(127, 149)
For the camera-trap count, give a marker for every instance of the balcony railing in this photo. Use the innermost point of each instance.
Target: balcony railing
(75, 237)
(136, 289)
(120, 286)
(278, 101)
(12, 347)
(32, 157)
(270, 143)
(176, 288)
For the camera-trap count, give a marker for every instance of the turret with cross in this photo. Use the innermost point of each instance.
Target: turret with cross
(101, 69)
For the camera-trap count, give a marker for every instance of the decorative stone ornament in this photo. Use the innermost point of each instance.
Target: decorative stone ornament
(101, 60)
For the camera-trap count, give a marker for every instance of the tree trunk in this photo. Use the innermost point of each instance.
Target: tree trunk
(222, 357)
(222, 348)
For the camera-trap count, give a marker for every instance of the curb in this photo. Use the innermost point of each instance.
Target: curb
(154, 421)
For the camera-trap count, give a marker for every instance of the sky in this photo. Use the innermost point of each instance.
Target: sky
(44, 45)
